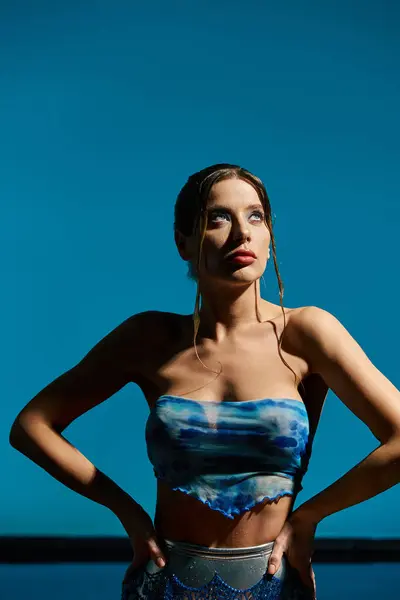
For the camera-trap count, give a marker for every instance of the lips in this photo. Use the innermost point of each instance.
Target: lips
(241, 253)
(242, 257)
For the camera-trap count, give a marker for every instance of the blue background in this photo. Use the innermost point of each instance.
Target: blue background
(105, 110)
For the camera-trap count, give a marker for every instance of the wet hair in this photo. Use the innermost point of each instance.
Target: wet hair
(191, 218)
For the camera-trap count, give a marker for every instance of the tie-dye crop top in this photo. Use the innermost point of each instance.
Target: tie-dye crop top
(229, 455)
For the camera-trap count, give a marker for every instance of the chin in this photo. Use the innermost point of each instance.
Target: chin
(240, 276)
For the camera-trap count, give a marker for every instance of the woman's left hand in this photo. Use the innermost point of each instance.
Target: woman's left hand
(296, 541)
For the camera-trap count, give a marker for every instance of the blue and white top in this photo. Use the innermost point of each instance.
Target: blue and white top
(229, 455)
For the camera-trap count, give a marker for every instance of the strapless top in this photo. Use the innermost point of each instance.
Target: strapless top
(230, 455)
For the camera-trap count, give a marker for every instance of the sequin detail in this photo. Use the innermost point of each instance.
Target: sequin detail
(164, 586)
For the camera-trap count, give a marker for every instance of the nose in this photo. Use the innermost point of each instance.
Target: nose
(241, 232)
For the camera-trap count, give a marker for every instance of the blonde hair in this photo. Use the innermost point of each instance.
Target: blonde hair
(191, 218)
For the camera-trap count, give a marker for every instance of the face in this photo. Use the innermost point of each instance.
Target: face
(236, 220)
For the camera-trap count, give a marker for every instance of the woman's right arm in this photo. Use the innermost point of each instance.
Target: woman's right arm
(37, 430)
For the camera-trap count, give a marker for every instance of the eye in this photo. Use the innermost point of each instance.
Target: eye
(218, 214)
(215, 215)
(259, 214)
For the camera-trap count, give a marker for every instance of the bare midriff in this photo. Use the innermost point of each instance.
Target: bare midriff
(180, 517)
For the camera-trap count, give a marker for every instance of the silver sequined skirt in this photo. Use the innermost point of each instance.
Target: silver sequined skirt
(195, 572)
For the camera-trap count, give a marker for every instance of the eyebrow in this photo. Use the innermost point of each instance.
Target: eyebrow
(222, 207)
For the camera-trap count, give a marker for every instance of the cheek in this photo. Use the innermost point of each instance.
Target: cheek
(264, 245)
(210, 258)
(212, 262)
(213, 250)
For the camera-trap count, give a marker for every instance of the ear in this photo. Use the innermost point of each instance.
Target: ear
(182, 244)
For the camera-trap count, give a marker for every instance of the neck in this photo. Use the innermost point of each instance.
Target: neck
(224, 313)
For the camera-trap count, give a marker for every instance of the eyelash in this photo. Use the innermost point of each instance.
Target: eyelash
(258, 212)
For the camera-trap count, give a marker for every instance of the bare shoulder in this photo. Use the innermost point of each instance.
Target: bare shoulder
(161, 325)
(128, 340)
(151, 325)
(156, 331)
(148, 332)
(313, 324)
(312, 329)
(311, 320)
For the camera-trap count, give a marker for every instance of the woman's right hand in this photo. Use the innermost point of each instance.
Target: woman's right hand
(143, 538)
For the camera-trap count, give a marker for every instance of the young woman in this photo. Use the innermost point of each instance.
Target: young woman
(235, 393)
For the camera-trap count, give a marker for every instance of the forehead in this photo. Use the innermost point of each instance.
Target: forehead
(233, 192)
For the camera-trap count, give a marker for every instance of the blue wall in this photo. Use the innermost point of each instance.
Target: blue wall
(105, 109)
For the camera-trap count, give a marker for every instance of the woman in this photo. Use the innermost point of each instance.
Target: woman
(235, 393)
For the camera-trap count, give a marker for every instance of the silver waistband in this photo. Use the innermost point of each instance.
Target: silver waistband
(190, 549)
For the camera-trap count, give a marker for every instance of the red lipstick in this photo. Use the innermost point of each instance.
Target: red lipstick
(242, 257)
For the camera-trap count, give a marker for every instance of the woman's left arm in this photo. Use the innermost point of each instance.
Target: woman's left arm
(333, 353)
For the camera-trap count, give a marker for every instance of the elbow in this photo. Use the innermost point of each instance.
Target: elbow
(392, 452)
(24, 425)
(16, 433)
(396, 443)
